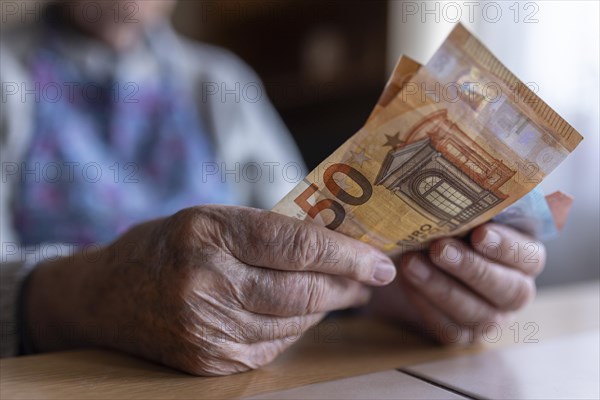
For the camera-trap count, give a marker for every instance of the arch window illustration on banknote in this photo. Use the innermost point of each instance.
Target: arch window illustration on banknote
(444, 174)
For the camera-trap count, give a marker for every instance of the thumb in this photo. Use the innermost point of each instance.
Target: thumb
(270, 240)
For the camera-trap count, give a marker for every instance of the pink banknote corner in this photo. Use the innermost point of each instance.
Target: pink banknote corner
(560, 205)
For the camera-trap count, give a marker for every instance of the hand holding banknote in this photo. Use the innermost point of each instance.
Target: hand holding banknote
(449, 146)
(460, 289)
(211, 290)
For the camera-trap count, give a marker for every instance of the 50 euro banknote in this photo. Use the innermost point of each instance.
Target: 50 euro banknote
(449, 145)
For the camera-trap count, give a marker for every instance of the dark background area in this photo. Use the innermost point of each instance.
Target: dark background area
(322, 62)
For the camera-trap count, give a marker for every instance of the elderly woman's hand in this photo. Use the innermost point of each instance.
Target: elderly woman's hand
(457, 290)
(211, 290)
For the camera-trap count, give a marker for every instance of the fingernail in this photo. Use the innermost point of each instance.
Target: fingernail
(385, 272)
(492, 237)
(451, 254)
(417, 271)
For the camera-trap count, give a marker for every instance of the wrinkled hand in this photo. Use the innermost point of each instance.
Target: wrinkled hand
(211, 290)
(457, 289)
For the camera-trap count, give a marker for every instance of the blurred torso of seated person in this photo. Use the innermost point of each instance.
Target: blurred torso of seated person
(101, 133)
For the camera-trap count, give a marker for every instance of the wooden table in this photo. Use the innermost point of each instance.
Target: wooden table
(337, 348)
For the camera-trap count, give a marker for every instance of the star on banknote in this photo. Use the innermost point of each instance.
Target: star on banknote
(393, 140)
(359, 157)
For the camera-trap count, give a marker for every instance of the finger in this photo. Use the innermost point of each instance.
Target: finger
(226, 358)
(505, 287)
(288, 294)
(436, 324)
(449, 296)
(504, 245)
(263, 353)
(270, 240)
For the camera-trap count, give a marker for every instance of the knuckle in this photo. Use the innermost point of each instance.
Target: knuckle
(276, 293)
(478, 234)
(219, 350)
(480, 272)
(444, 293)
(194, 352)
(264, 226)
(304, 245)
(250, 290)
(187, 220)
(296, 294)
(478, 314)
(355, 270)
(521, 295)
(309, 246)
(183, 229)
(220, 359)
(315, 294)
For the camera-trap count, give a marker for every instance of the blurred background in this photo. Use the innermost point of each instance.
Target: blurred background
(324, 64)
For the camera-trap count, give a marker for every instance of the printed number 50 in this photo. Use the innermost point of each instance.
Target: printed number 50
(335, 189)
